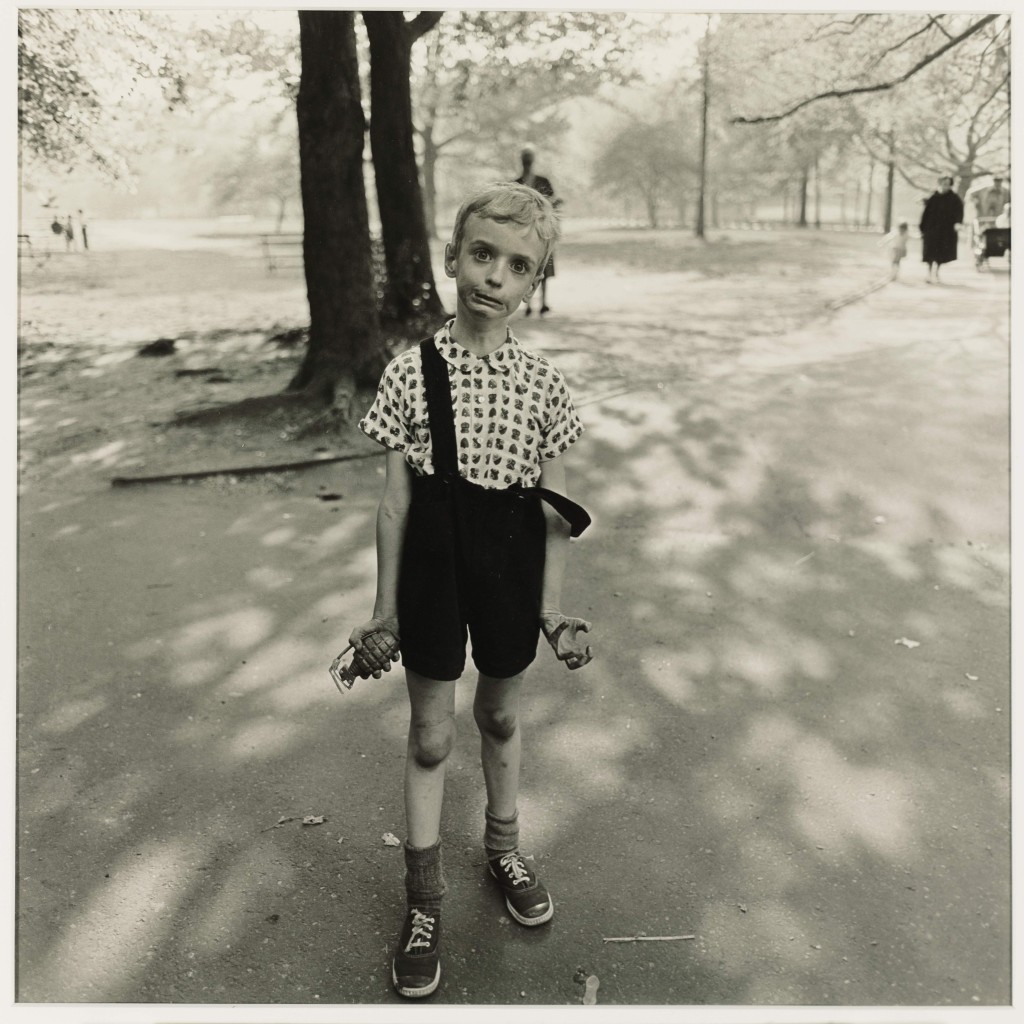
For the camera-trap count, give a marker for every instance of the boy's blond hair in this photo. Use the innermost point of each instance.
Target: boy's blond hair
(509, 202)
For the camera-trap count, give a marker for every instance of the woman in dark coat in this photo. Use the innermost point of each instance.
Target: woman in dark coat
(544, 187)
(943, 211)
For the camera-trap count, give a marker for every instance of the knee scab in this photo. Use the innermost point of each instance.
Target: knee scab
(499, 724)
(430, 747)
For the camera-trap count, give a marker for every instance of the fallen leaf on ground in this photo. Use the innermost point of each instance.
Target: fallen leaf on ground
(973, 679)
(391, 840)
(313, 819)
(903, 641)
(590, 996)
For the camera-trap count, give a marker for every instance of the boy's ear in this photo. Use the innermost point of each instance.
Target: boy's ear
(449, 260)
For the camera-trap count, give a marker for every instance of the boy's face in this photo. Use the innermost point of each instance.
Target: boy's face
(498, 265)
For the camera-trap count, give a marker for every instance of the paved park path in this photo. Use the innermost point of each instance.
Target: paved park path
(793, 750)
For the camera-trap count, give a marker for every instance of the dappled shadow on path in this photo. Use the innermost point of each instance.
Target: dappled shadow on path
(752, 760)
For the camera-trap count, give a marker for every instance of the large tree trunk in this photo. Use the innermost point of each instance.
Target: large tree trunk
(344, 340)
(410, 294)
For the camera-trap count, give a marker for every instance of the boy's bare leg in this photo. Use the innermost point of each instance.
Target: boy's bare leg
(496, 711)
(431, 738)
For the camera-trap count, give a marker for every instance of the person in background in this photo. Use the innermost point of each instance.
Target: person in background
(943, 212)
(993, 199)
(545, 188)
(69, 234)
(83, 229)
(895, 244)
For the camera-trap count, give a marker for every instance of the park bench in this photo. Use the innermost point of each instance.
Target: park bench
(26, 250)
(281, 250)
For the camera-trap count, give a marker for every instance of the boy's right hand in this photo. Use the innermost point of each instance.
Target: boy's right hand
(366, 661)
(562, 632)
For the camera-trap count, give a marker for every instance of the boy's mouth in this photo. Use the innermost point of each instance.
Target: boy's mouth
(487, 300)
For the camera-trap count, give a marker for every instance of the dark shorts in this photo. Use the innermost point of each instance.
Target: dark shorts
(472, 564)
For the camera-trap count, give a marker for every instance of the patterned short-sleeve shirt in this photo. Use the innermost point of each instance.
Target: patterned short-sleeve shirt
(512, 412)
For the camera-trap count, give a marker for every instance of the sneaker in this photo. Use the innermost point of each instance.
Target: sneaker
(526, 898)
(416, 966)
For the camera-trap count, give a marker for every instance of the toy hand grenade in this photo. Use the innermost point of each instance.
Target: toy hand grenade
(375, 653)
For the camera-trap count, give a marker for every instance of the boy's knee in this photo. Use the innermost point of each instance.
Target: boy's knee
(430, 745)
(496, 722)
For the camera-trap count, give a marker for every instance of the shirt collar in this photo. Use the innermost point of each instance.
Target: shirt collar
(503, 359)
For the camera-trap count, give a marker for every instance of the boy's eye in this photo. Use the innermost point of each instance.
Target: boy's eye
(481, 254)
(519, 267)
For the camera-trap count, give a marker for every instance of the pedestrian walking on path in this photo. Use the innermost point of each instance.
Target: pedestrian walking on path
(84, 229)
(943, 213)
(545, 188)
(472, 536)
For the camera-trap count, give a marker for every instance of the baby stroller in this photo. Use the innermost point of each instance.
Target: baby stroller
(990, 229)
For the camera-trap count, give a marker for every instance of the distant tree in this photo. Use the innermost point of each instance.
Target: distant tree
(954, 117)
(649, 163)
(488, 81)
(265, 170)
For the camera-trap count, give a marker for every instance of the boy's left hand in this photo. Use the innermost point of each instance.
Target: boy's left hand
(562, 632)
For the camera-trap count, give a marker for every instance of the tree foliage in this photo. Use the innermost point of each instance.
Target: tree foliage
(485, 82)
(925, 93)
(846, 55)
(85, 80)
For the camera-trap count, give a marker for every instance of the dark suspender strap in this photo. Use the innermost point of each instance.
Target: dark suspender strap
(442, 437)
(439, 409)
(575, 515)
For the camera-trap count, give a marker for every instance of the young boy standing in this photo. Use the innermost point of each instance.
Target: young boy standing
(469, 542)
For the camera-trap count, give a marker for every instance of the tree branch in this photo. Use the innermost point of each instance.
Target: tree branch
(861, 90)
(896, 46)
(423, 23)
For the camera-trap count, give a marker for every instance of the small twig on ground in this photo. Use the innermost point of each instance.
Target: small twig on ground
(280, 823)
(649, 938)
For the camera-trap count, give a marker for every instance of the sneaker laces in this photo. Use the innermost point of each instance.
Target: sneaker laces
(422, 930)
(515, 868)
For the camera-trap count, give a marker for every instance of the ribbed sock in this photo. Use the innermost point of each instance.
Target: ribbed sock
(501, 835)
(424, 876)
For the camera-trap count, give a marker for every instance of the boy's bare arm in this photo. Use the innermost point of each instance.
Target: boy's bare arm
(392, 514)
(561, 631)
(391, 518)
